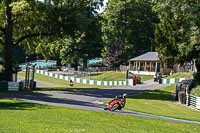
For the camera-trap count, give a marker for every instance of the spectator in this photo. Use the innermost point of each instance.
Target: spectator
(155, 78)
(71, 83)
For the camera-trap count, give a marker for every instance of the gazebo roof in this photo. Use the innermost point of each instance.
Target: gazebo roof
(149, 56)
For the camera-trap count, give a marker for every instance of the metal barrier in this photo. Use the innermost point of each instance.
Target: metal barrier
(13, 86)
(182, 89)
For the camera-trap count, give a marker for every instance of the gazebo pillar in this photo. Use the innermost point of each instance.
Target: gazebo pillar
(139, 66)
(150, 66)
(145, 66)
(156, 66)
(136, 66)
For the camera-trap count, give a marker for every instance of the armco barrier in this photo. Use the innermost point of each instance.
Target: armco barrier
(173, 80)
(193, 101)
(83, 81)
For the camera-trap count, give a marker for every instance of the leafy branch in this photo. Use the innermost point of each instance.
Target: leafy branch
(2, 29)
(30, 36)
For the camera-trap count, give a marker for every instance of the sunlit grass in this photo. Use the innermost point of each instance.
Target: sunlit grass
(60, 84)
(161, 102)
(181, 75)
(18, 116)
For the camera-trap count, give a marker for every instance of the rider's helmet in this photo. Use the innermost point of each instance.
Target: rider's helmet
(125, 95)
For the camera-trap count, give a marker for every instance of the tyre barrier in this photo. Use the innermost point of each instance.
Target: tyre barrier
(182, 89)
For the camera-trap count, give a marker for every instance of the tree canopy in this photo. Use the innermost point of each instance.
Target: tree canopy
(36, 24)
(130, 25)
(177, 35)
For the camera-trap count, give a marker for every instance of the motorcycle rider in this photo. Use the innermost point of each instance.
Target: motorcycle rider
(123, 100)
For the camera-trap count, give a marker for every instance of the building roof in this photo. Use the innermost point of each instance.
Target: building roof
(149, 56)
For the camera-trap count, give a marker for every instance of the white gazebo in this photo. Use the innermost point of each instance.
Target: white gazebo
(146, 64)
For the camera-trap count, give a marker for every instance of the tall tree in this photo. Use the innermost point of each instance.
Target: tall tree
(30, 22)
(129, 24)
(87, 43)
(177, 35)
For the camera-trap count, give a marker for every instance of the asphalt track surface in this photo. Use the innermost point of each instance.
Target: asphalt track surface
(90, 99)
(38, 84)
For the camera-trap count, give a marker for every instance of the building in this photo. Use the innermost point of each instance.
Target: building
(148, 64)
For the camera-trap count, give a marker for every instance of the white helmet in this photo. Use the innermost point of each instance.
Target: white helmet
(125, 95)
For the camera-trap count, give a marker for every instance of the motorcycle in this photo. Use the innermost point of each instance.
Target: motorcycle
(117, 103)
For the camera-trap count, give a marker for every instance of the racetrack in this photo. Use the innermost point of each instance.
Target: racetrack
(90, 99)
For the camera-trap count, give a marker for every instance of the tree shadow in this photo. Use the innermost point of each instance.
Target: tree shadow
(60, 89)
(154, 95)
(18, 105)
(39, 98)
(95, 74)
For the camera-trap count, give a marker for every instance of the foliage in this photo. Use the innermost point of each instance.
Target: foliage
(71, 49)
(36, 24)
(129, 25)
(177, 35)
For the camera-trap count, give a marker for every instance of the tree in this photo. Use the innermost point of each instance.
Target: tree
(129, 24)
(87, 43)
(177, 35)
(31, 22)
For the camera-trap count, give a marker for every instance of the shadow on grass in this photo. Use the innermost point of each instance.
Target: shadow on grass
(18, 105)
(60, 89)
(96, 74)
(154, 95)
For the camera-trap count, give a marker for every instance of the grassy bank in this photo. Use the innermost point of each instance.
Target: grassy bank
(160, 102)
(196, 91)
(18, 116)
(60, 84)
(180, 75)
(115, 76)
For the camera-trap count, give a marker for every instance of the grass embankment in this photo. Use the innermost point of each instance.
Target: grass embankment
(18, 116)
(115, 76)
(60, 84)
(160, 102)
(180, 75)
(196, 91)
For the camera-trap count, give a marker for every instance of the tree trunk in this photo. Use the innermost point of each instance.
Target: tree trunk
(197, 74)
(84, 63)
(8, 40)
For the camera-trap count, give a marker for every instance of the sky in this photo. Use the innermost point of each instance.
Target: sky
(104, 3)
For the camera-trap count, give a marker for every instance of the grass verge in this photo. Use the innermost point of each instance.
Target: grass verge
(160, 102)
(180, 75)
(60, 83)
(196, 91)
(115, 76)
(18, 116)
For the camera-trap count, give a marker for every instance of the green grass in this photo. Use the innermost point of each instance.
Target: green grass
(60, 83)
(23, 117)
(160, 102)
(115, 76)
(196, 91)
(181, 75)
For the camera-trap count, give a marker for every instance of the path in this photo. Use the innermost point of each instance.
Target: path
(89, 99)
(38, 84)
